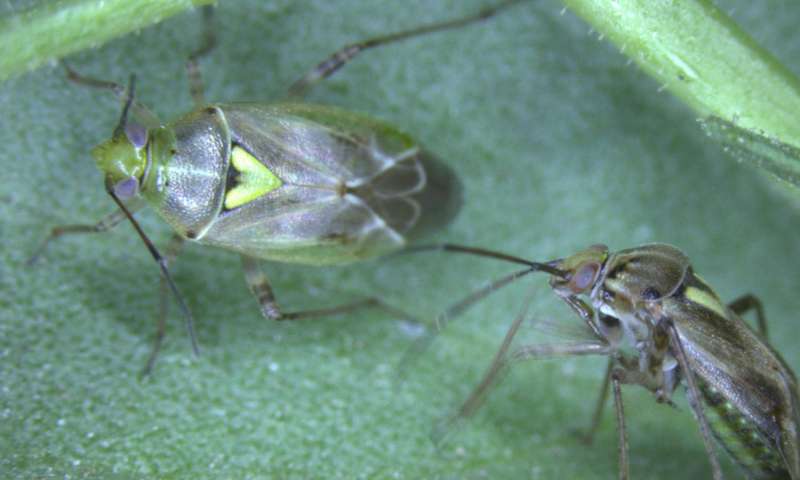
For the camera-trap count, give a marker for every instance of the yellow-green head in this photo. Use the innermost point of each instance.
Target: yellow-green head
(582, 270)
(123, 158)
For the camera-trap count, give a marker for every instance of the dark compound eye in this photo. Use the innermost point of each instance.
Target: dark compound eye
(137, 134)
(127, 188)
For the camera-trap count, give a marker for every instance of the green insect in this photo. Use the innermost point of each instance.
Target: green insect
(290, 182)
(661, 325)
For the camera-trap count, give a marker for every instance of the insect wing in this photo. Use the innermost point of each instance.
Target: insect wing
(347, 187)
(750, 393)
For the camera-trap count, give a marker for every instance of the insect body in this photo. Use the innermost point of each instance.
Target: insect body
(661, 325)
(290, 182)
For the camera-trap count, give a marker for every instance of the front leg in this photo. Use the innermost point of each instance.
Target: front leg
(170, 254)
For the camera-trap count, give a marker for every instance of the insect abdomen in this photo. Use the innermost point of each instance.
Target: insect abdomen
(741, 437)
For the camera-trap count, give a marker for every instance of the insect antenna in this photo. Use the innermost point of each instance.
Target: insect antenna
(162, 264)
(494, 374)
(548, 267)
(119, 130)
(458, 308)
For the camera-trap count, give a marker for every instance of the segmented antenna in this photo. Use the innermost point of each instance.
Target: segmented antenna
(123, 118)
(162, 264)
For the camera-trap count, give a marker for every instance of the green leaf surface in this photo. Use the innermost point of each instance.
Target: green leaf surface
(559, 145)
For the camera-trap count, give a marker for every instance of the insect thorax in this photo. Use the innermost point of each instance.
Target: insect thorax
(189, 164)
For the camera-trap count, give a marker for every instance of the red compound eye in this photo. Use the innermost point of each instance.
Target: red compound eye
(584, 277)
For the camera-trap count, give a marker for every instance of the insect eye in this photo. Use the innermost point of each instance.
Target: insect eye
(127, 188)
(584, 277)
(136, 134)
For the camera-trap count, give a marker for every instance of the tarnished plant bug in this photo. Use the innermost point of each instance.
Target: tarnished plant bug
(661, 325)
(290, 182)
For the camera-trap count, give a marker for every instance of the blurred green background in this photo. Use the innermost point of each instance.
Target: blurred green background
(559, 144)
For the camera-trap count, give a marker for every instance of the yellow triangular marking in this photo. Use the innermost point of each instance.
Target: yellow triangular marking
(254, 179)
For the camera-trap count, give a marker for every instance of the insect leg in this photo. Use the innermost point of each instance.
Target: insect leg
(528, 352)
(170, 254)
(587, 314)
(502, 361)
(259, 285)
(588, 437)
(452, 312)
(498, 365)
(625, 371)
(461, 306)
(339, 58)
(694, 397)
(748, 302)
(208, 44)
(622, 437)
(106, 223)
